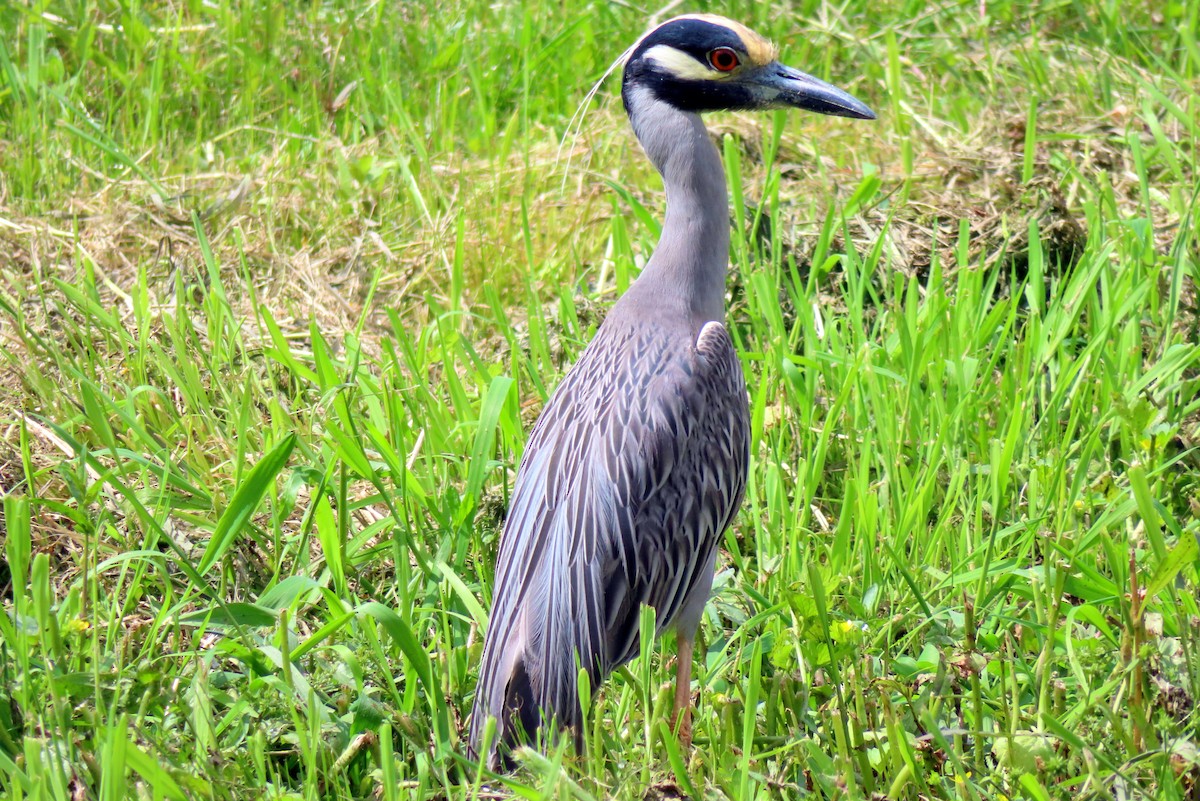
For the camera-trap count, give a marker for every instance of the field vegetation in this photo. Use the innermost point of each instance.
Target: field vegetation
(283, 287)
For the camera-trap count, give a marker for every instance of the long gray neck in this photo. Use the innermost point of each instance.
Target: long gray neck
(689, 264)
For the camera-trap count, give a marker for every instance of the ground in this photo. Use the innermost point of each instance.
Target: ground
(283, 288)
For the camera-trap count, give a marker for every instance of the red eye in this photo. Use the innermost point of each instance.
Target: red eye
(723, 59)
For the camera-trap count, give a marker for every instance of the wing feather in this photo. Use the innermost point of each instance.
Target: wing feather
(631, 474)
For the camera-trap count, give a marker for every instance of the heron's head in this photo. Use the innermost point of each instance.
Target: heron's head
(702, 62)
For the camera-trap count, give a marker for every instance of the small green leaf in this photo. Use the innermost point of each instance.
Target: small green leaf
(287, 591)
(403, 636)
(334, 550)
(1145, 500)
(485, 435)
(245, 501)
(464, 594)
(17, 547)
(231, 615)
(1183, 554)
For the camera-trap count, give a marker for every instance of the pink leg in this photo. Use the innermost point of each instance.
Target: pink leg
(683, 690)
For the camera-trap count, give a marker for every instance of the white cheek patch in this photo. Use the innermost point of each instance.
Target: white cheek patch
(682, 65)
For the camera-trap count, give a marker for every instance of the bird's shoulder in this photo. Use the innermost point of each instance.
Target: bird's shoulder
(641, 383)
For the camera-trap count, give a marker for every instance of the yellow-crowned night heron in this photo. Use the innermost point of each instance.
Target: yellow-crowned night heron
(638, 462)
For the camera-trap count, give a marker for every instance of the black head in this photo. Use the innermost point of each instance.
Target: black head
(704, 63)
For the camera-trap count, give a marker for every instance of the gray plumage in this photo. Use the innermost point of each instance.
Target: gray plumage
(638, 462)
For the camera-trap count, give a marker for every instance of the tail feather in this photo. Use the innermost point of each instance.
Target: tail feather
(510, 697)
(524, 714)
(529, 672)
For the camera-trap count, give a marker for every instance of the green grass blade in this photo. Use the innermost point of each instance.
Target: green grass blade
(245, 501)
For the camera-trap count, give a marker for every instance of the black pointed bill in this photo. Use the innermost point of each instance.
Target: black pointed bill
(788, 87)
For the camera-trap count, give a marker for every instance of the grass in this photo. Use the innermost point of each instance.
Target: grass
(283, 287)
